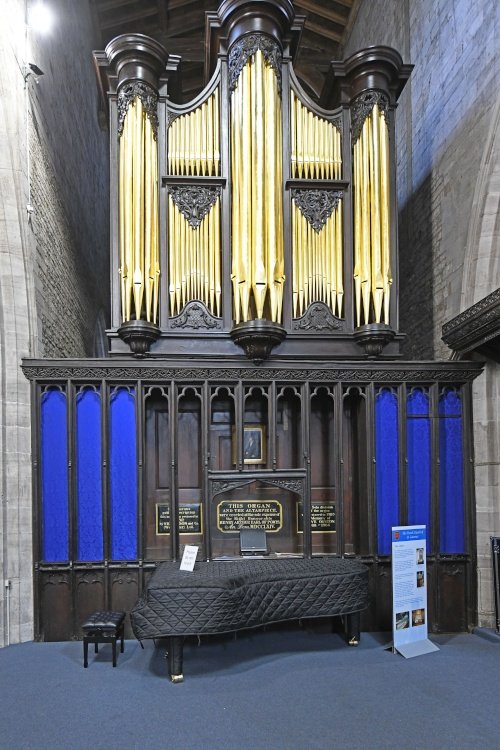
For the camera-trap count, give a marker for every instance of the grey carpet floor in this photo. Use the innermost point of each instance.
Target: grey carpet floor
(285, 690)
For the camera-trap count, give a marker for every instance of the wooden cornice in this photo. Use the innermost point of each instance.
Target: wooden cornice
(477, 329)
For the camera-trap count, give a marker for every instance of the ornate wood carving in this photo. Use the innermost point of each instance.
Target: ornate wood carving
(476, 326)
(219, 486)
(194, 201)
(149, 100)
(317, 317)
(317, 205)
(195, 316)
(242, 50)
(455, 373)
(361, 108)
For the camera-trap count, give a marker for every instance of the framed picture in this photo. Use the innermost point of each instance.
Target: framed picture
(254, 444)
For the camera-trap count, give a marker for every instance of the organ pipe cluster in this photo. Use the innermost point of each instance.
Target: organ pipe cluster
(315, 144)
(372, 266)
(193, 141)
(317, 262)
(138, 211)
(194, 259)
(257, 206)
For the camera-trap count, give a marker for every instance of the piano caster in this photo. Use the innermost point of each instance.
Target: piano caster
(177, 678)
(354, 641)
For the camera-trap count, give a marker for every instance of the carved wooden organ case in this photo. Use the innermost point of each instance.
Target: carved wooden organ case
(251, 216)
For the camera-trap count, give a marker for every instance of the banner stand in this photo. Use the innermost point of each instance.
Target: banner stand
(409, 592)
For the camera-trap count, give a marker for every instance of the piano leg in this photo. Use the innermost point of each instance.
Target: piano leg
(352, 624)
(175, 648)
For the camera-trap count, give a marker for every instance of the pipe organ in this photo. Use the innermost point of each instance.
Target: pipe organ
(251, 223)
(244, 212)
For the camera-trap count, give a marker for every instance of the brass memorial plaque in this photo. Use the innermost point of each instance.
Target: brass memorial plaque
(190, 520)
(249, 514)
(323, 518)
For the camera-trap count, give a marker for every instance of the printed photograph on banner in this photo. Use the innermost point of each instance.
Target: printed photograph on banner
(420, 556)
(420, 579)
(402, 620)
(418, 617)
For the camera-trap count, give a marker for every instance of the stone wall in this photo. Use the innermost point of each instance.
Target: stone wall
(54, 278)
(448, 195)
(69, 185)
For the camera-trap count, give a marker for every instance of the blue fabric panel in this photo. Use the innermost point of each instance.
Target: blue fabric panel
(418, 436)
(450, 404)
(88, 476)
(387, 469)
(123, 475)
(54, 476)
(451, 477)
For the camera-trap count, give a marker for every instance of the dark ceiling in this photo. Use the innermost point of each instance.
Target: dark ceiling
(180, 26)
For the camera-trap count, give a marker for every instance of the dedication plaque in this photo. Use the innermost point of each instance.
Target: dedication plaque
(249, 514)
(189, 518)
(323, 518)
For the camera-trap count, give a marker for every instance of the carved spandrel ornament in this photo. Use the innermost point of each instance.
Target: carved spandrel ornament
(363, 106)
(194, 201)
(195, 316)
(317, 317)
(316, 205)
(247, 46)
(148, 97)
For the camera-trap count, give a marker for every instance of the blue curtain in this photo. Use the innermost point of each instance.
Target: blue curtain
(387, 468)
(123, 474)
(54, 476)
(451, 477)
(88, 475)
(418, 437)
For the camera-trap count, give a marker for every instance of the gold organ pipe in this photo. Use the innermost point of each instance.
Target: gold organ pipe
(123, 271)
(335, 154)
(180, 152)
(246, 239)
(365, 221)
(372, 267)
(258, 205)
(300, 137)
(384, 214)
(293, 134)
(171, 255)
(211, 259)
(148, 211)
(199, 142)
(339, 258)
(216, 131)
(295, 269)
(376, 259)
(357, 229)
(217, 254)
(137, 187)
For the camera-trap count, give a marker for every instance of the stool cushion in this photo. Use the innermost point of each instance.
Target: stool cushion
(103, 620)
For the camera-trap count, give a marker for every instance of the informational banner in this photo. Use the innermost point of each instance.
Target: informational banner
(409, 591)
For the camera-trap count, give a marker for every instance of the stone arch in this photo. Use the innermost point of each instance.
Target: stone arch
(481, 277)
(481, 274)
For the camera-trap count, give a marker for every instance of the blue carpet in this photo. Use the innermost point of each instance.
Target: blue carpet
(285, 690)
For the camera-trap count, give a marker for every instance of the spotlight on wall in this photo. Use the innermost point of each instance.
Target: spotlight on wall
(40, 17)
(32, 70)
